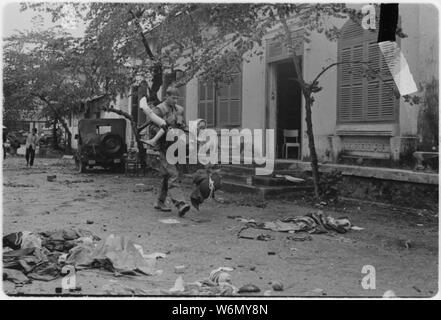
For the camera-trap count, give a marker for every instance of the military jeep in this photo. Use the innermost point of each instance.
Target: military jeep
(101, 142)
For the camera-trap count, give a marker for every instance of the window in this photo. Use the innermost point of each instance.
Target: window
(103, 129)
(276, 50)
(221, 105)
(361, 99)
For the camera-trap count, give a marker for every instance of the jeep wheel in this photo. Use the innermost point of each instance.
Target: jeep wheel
(111, 144)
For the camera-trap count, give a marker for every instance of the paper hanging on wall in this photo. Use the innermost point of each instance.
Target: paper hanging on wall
(398, 67)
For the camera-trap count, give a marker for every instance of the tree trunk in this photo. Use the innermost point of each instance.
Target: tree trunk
(157, 75)
(69, 135)
(54, 135)
(311, 144)
(307, 94)
(156, 70)
(63, 123)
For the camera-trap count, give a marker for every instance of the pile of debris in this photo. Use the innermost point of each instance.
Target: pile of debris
(42, 256)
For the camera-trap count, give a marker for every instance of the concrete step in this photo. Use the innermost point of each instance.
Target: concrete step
(247, 169)
(237, 177)
(258, 180)
(265, 192)
(237, 169)
(273, 181)
(262, 187)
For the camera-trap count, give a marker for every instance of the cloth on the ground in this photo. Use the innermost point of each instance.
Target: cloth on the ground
(315, 222)
(58, 240)
(64, 239)
(115, 288)
(15, 276)
(22, 240)
(116, 254)
(213, 285)
(80, 255)
(35, 263)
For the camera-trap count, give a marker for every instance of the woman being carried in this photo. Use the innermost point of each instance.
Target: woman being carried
(155, 119)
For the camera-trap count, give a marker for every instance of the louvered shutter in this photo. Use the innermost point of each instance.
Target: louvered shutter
(344, 74)
(362, 99)
(206, 102)
(229, 103)
(357, 113)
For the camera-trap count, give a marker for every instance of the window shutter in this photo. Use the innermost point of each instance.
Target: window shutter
(229, 102)
(344, 110)
(357, 69)
(362, 99)
(350, 95)
(388, 100)
(353, 30)
(345, 69)
(226, 109)
(373, 101)
(206, 102)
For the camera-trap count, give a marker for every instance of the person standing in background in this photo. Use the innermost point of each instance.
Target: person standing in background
(31, 146)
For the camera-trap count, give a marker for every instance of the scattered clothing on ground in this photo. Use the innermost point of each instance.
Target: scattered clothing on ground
(42, 256)
(314, 223)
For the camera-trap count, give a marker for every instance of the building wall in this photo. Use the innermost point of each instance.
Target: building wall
(420, 23)
(253, 93)
(191, 100)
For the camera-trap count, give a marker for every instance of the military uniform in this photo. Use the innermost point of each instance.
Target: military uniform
(174, 117)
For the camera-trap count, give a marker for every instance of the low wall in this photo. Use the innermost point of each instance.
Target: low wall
(405, 194)
(395, 186)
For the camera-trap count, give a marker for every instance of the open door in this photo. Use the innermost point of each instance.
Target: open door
(289, 106)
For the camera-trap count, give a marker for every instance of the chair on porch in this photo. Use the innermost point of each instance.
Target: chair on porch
(291, 135)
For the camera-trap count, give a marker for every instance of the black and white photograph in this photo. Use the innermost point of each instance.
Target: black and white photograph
(220, 150)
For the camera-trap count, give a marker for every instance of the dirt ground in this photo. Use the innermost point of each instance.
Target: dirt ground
(402, 245)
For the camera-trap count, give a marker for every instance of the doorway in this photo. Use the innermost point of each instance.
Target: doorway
(289, 106)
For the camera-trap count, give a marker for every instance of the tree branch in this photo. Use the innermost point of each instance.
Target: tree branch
(365, 63)
(57, 114)
(143, 38)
